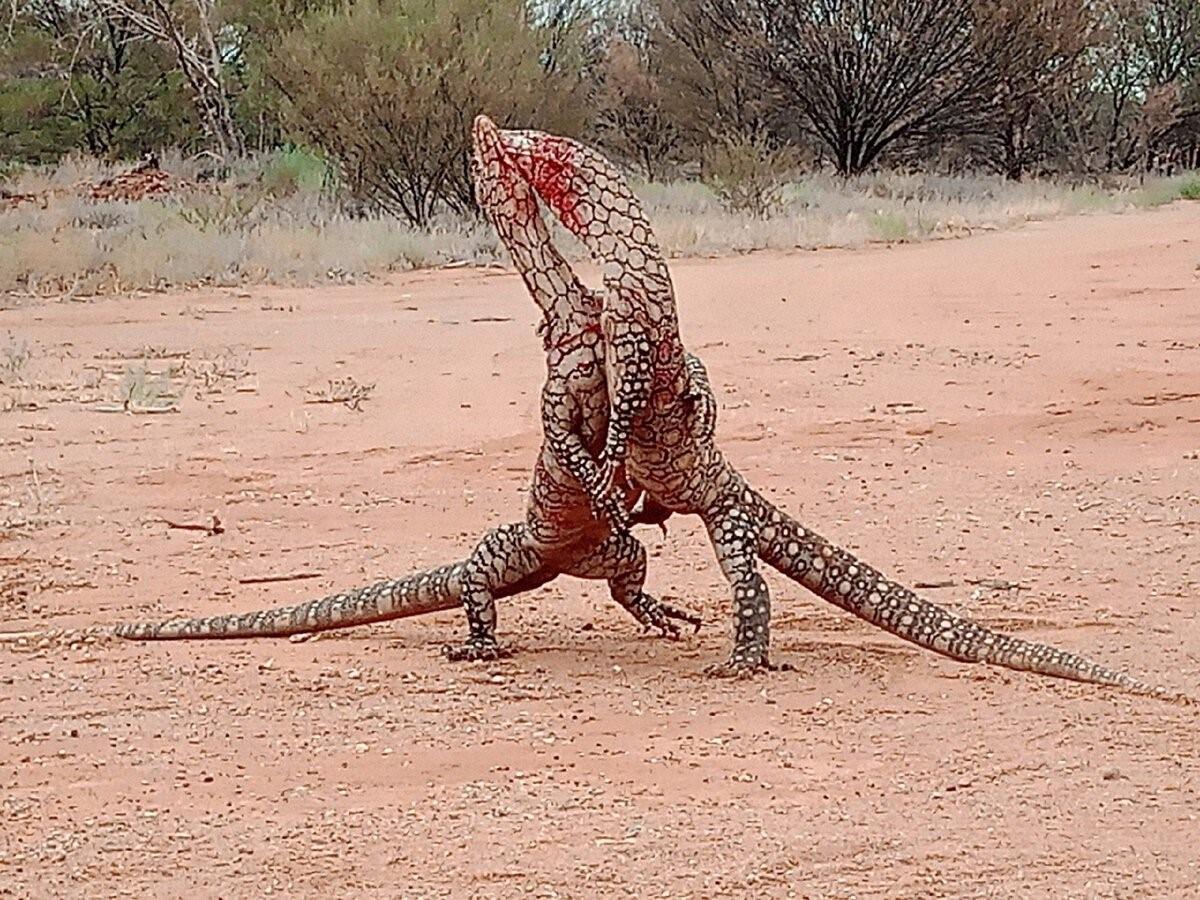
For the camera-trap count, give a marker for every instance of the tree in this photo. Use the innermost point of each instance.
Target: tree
(188, 28)
(73, 79)
(388, 90)
(1038, 48)
(1147, 65)
(861, 76)
(696, 48)
(634, 118)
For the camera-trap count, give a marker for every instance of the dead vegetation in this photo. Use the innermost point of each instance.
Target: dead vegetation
(142, 380)
(243, 230)
(29, 499)
(345, 390)
(144, 180)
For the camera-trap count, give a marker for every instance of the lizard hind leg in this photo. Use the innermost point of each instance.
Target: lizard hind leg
(734, 538)
(621, 561)
(505, 557)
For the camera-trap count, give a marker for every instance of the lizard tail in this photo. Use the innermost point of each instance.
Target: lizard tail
(430, 591)
(838, 577)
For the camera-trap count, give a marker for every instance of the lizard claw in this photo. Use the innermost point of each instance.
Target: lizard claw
(744, 662)
(661, 616)
(477, 650)
(670, 612)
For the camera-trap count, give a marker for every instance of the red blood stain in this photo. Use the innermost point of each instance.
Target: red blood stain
(552, 170)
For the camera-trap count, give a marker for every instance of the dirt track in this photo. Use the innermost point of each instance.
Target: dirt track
(1013, 408)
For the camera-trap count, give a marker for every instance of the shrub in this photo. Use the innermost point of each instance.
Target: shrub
(747, 174)
(388, 89)
(294, 170)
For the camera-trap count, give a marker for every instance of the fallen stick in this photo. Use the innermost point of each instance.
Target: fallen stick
(266, 579)
(212, 530)
(997, 584)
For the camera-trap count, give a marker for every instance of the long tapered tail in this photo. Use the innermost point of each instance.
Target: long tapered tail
(838, 577)
(433, 590)
(423, 592)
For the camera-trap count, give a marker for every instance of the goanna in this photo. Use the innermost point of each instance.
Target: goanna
(661, 426)
(563, 531)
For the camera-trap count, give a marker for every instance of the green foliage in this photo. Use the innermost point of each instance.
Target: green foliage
(9, 169)
(388, 89)
(71, 85)
(890, 226)
(1168, 190)
(748, 174)
(293, 170)
(32, 129)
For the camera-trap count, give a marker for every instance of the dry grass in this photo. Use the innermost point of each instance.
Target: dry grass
(822, 211)
(267, 223)
(29, 500)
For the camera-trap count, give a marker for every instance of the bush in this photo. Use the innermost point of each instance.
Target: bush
(388, 90)
(73, 81)
(10, 169)
(294, 170)
(747, 173)
(1190, 189)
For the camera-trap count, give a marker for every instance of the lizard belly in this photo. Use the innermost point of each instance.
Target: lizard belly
(669, 456)
(559, 514)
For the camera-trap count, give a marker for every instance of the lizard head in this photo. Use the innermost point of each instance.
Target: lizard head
(585, 191)
(557, 169)
(500, 190)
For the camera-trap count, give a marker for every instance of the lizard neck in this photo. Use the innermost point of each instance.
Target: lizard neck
(567, 305)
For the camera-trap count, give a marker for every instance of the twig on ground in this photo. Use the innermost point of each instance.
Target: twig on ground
(266, 579)
(997, 584)
(346, 391)
(212, 529)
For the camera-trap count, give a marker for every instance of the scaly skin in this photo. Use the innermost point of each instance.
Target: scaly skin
(564, 532)
(662, 422)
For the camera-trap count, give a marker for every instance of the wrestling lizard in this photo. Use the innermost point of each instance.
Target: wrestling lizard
(661, 425)
(563, 531)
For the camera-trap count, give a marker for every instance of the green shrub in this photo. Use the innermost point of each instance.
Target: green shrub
(890, 226)
(388, 89)
(747, 174)
(294, 170)
(10, 169)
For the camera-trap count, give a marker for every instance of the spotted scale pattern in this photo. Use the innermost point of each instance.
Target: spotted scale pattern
(661, 407)
(644, 356)
(672, 453)
(566, 530)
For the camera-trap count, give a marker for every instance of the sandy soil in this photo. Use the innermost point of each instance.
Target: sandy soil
(1016, 413)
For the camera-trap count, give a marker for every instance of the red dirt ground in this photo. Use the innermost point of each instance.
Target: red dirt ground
(1018, 407)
